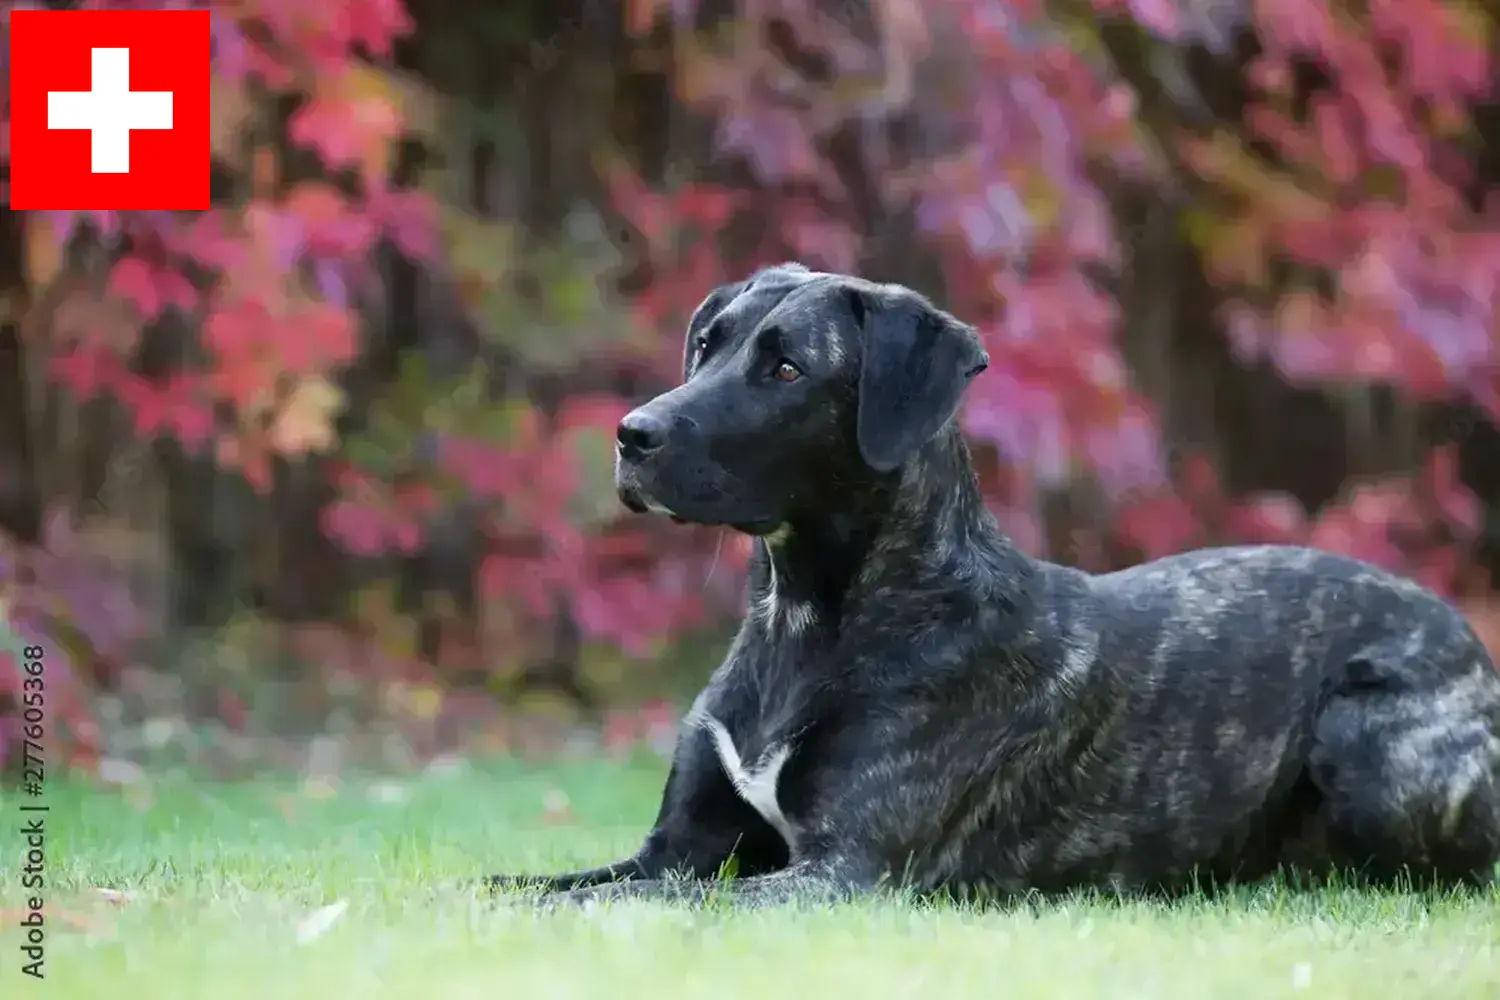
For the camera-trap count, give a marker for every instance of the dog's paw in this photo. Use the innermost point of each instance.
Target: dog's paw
(504, 884)
(506, 892)
(585, 899)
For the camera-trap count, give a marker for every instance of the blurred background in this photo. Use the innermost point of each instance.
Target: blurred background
(321, 478)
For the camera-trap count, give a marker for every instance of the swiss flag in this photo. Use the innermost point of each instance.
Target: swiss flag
(109, 110)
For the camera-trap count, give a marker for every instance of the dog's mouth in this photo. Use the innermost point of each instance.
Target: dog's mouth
(639, 503)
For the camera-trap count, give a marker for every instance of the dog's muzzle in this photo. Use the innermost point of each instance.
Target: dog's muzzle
(638, 440)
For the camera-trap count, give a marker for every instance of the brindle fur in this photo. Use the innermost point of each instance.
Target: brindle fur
(951, 714)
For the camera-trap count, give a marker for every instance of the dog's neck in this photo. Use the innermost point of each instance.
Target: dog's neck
(926, 523)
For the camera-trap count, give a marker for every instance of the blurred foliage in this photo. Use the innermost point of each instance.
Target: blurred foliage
(389, 390)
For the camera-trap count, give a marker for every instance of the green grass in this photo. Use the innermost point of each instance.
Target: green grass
(219, 878)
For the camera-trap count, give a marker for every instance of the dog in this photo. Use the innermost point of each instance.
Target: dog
(913, 703)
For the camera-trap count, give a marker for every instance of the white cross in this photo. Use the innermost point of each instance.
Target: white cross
(110, 111)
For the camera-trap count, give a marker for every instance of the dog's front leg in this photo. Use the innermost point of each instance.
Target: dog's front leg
(676, 850)
(811, 881)
(681, 845)
(701, 823)
(642, 865)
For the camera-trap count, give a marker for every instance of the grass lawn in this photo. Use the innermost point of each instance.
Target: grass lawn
(222, 888)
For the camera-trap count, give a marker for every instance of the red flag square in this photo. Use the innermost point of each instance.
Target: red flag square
(109, 110)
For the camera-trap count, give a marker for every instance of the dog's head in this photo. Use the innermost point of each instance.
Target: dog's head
(798, 387)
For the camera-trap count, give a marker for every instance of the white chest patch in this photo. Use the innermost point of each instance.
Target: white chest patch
(755, 784)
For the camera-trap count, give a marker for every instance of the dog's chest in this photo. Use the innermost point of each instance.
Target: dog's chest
(756, 779)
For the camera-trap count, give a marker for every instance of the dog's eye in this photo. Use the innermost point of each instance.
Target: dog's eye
(786, 371)
(700, 344)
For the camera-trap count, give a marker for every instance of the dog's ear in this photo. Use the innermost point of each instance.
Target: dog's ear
(917, 361)
(705, 314)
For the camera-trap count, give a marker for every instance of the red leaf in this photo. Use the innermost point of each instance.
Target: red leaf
(87, 369)
(133, 280)
(375, 24)
(355, 527)
(1341, 530)
(592, 411)
(1158, 526)
(324, 126)
(1457, 502)
(332, 228)
(1266, 519)
(1159, 16)
(330, 334)
(409, 218)
(1200, 480)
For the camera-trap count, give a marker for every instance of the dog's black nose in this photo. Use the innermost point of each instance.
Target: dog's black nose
(640, 434)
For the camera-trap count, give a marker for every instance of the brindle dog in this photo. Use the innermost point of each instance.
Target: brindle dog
(911, 700)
